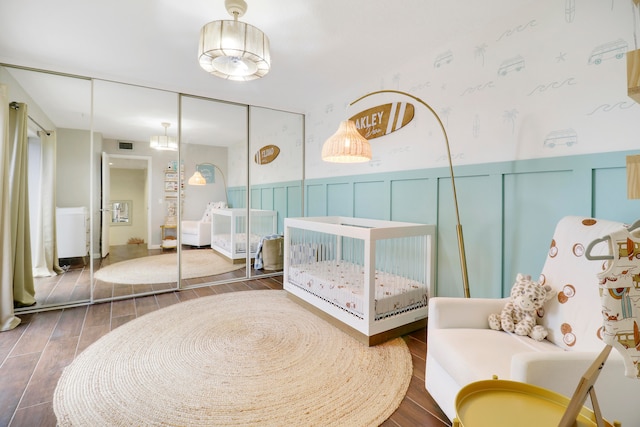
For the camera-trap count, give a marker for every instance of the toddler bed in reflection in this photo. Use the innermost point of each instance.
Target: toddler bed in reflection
(372, 278)
(231, 234)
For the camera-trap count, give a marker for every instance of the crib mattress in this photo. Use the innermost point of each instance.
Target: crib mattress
(342, 284)
(223, 241)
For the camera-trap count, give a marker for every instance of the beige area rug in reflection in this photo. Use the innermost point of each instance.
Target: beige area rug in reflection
(236, 359)
(163, 268)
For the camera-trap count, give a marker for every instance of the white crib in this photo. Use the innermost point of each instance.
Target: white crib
(230, 235)
(372, 278)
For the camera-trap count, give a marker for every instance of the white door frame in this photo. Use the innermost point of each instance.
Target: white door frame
(106, 215)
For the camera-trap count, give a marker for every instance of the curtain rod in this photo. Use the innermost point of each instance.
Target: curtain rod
(15, 106)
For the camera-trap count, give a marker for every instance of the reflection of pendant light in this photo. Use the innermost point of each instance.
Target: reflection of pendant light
(164, 142)
(234, 50)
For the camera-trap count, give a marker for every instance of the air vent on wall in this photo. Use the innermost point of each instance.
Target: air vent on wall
(125, 145)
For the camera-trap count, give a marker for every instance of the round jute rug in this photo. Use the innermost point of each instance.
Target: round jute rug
(238, 359)
(163, 268)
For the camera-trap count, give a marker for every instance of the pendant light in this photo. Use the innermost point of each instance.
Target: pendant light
(234, 50)
(347, 145)
(164, 142)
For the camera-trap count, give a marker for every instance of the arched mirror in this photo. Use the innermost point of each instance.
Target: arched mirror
(138, 189)
(213, 139)
(57, 111)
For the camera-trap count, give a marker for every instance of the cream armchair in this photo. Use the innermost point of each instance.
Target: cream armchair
(461, 348)
(198, 232)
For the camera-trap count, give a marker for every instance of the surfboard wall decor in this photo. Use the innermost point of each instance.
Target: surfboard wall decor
(266, 154)
(383, 119)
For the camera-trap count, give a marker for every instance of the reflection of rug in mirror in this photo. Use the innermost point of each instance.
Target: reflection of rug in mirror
(163, 268)
(233, 359)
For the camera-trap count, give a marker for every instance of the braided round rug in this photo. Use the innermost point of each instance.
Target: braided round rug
(163, 268)
(236, 359)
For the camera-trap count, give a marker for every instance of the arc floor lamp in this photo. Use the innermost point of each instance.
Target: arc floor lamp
(347, 145)
(198, 179)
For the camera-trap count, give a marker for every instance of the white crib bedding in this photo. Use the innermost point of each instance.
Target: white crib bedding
(223, 241)
(342, 284)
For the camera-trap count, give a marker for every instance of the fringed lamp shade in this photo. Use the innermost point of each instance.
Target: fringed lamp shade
(633, 177)
(234, 50)
(346, 145)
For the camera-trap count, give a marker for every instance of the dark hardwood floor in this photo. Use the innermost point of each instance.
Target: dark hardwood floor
(34, 354)
(75, 284)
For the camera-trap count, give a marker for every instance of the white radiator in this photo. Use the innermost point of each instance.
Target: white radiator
(72, 232)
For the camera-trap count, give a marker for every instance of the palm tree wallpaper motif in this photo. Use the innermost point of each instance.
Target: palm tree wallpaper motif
(510, 116)
(480, 51)
(570, 10)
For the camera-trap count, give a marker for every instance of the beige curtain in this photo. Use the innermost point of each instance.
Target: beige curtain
(23, 285)
(7, 319)
(45, 253)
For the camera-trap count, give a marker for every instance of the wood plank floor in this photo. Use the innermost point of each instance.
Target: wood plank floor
(75, 284)
(34, 354)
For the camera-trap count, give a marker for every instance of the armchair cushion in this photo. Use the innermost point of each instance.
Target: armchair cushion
(451, 313)
(194, 227)
(196, 233)
(492, 352)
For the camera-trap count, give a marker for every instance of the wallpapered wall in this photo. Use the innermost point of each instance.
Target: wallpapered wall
(536, 109)
(547, 81)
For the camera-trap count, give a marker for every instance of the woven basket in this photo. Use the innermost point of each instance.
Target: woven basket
(272, 254)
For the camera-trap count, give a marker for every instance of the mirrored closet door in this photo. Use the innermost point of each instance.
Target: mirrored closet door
(276, 173)
(57, 112)
(140, 184)
(137, 190)
(213, 154)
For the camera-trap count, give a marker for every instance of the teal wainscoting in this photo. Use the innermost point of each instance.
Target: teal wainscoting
(508, 210)
(237, 197)
(283, 197)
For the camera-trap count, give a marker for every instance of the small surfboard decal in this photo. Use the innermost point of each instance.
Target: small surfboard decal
(383, 119)
(267, 154)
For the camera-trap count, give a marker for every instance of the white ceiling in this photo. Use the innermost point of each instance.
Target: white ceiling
(318, 47)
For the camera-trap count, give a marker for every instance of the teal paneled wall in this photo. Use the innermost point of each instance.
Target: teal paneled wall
(256, 197)
(294, 201)
(237, 197)
(339, 199)
(480, 200)
(610, 193)
(411, 200)
(316, 199)
(370, 200)
(280, 205)
(533, 204)
(266, 197)
(508, 210)
(283, 197)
